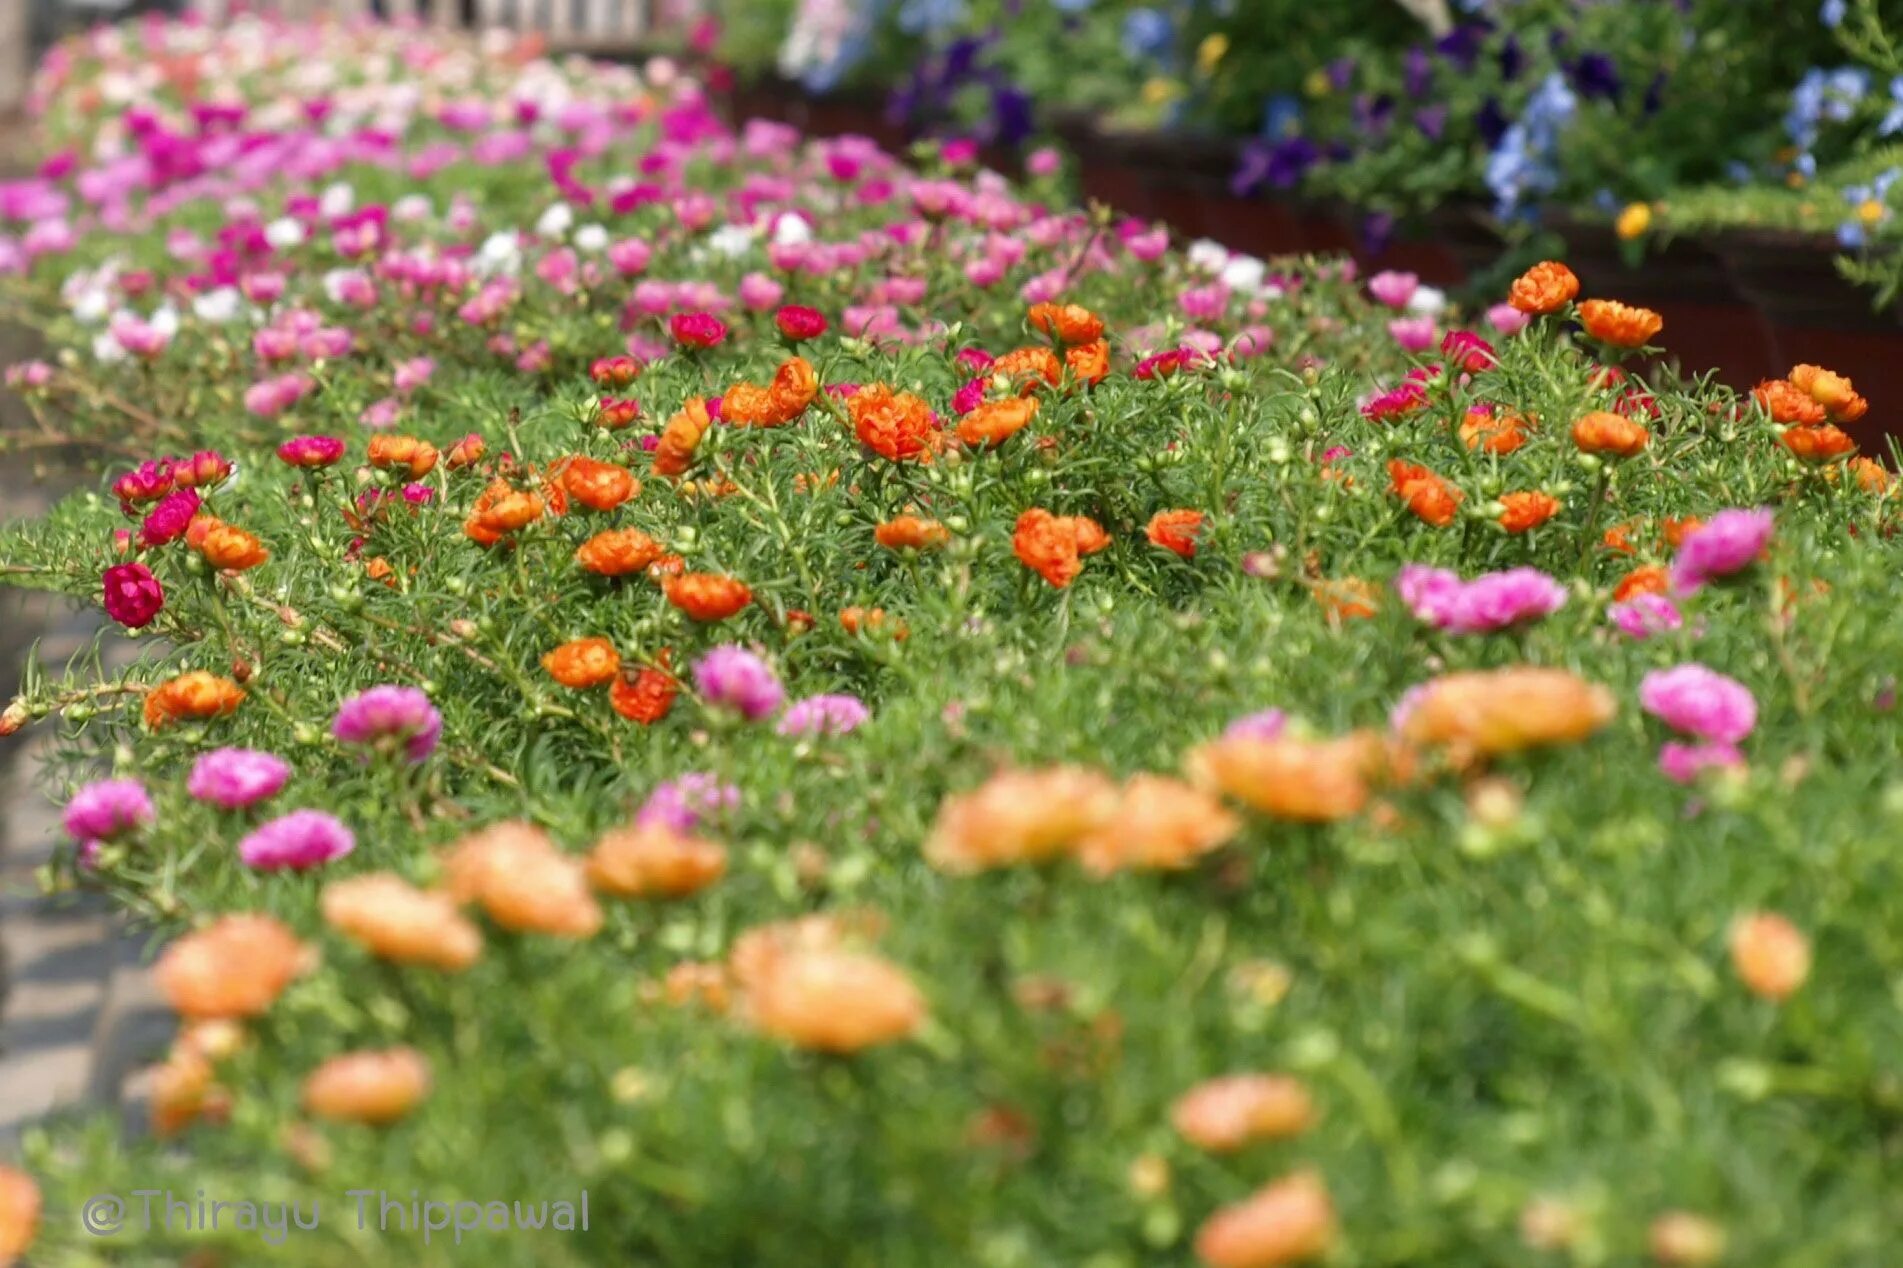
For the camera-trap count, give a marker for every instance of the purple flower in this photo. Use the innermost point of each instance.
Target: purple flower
(1646, 615)
(681, 803)
(1492, 601)
(1700, 701)
(1264, 724)
(824, 715)
(737, 679)
(1684, 763)
(108, 809)
(1729, 542)
(237, 777)
(299, 840)
(390, 713)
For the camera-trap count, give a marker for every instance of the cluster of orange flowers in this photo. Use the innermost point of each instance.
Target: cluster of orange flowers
(1550, 286)
(806, 983)
(1810, 402)
(897, 426)
(1053, 546)
(405, 455)
(224, 546)
(793, 388)
(194, 694)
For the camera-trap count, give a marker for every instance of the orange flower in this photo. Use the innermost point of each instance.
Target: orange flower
(1837, 394)
(1347, 599)
(1504, 710)
(1547, 287)
(644, 695)
(666, 566)
(813, 482)
(1771, 957)
(396, 921)
(618, 552)
(793, 388)
(1431, 498)
(1523, 512)
(1090, 362)
(1067, 323)
(995, 422)
(834, 1001)
(1052, 545)
(1495, 433)
(405, 453)
(693, 983)
(229, 547)
(1680, 1239)
(1158, 823)
(1284, 1223)
(1309, 781)
(236, 966)
(1175, 531)
(1621, 325)
(654, 861)
(1020, 816)
(858, 620)
(501, 508)
(466, 452)
(1872, 476)
(707, 596)
(374, 1087)
(1222, 1115)
(525, 884)
(681, 437)
(1675, 529)
(599, 486)
(1785, 402)
(895, 425)
(583, 662)
(19, 1213)
(194, 694)
(182, 1092)
(1646, 579)
(1611, 434)
(1029, 368)
(909, 532)
(1817, 444)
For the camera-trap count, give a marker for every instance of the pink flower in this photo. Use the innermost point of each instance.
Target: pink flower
(734, 678)
(970, 396)
(799, 323)
(1414, 334)
(1645, 615)
(107, 810)
(682, 803)
(381, 413)
(413, 374)
(1699, 701)
(311, 452)
(170, 518)
(1150, 246)
(390, 715)
(629, 256)
(1266, 724)
(133, 596)
(297, 841)
(1044, 161)
(1392, 288)
(1468, 352)
(1684, 763)
(148, 482)
(1729, 542)
(697, 330)
(237, 777)
(759, 292)
(1204, 303)
(1490, 602)
(824, 715)
(1507, 319)
(1396, 402)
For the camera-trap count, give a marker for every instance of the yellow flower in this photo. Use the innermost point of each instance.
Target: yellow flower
(1211, 51)
(1161, 91)
(1633, 221)
(1872, 211)
(1316, 85)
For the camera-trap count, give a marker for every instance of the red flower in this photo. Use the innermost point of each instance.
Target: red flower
(614, 371)
(798, 322)
(1467, 351)
(697, 330)
(133, 596)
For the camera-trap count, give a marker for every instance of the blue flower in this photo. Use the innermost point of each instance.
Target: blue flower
(927, 17)
(1893, 120)
(1147, 34)
(1281, 115)
(1072, 6)
(1832, 14)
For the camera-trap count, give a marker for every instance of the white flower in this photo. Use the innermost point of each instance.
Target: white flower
(337, 200)
(217, 307)
(591, 238)
(411, 208)
(731, 240)
(790, 230)
(1207, 256)
(284, 233)
(500, 253)
(106, 348)
(90, 305)
(165, 320)
(1244, 273)
(1427, 300)
(555, 221)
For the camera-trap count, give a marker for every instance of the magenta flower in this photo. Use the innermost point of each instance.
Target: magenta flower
(734, 678)
(297, 841)
(1729, 542)
(824, 715)
(1492, 601)
(1507, 319)
(1467, 351)
(148, 482)
(311, 451)
(387, 716)
(1393, 289)
(682, 803)
(1397, 402)
(1684, 763)
(1700, 701)
(1646, 615)
(170, 518)
(1265, 724)
(697, 330)
(1414, 334)
(133, 596)
(237, 777)
(107, 810)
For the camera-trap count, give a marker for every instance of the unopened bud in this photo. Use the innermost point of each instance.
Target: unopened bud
(16, 716)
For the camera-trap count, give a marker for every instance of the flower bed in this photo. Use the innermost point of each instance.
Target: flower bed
(859, 714)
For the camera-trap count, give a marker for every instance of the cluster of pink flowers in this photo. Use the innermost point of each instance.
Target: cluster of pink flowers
(1697, 701)
(236, 778)
(824, 715)
(1492, 601)
(734, 678)
(681, 804)
(390, 716)
(1728, 542)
